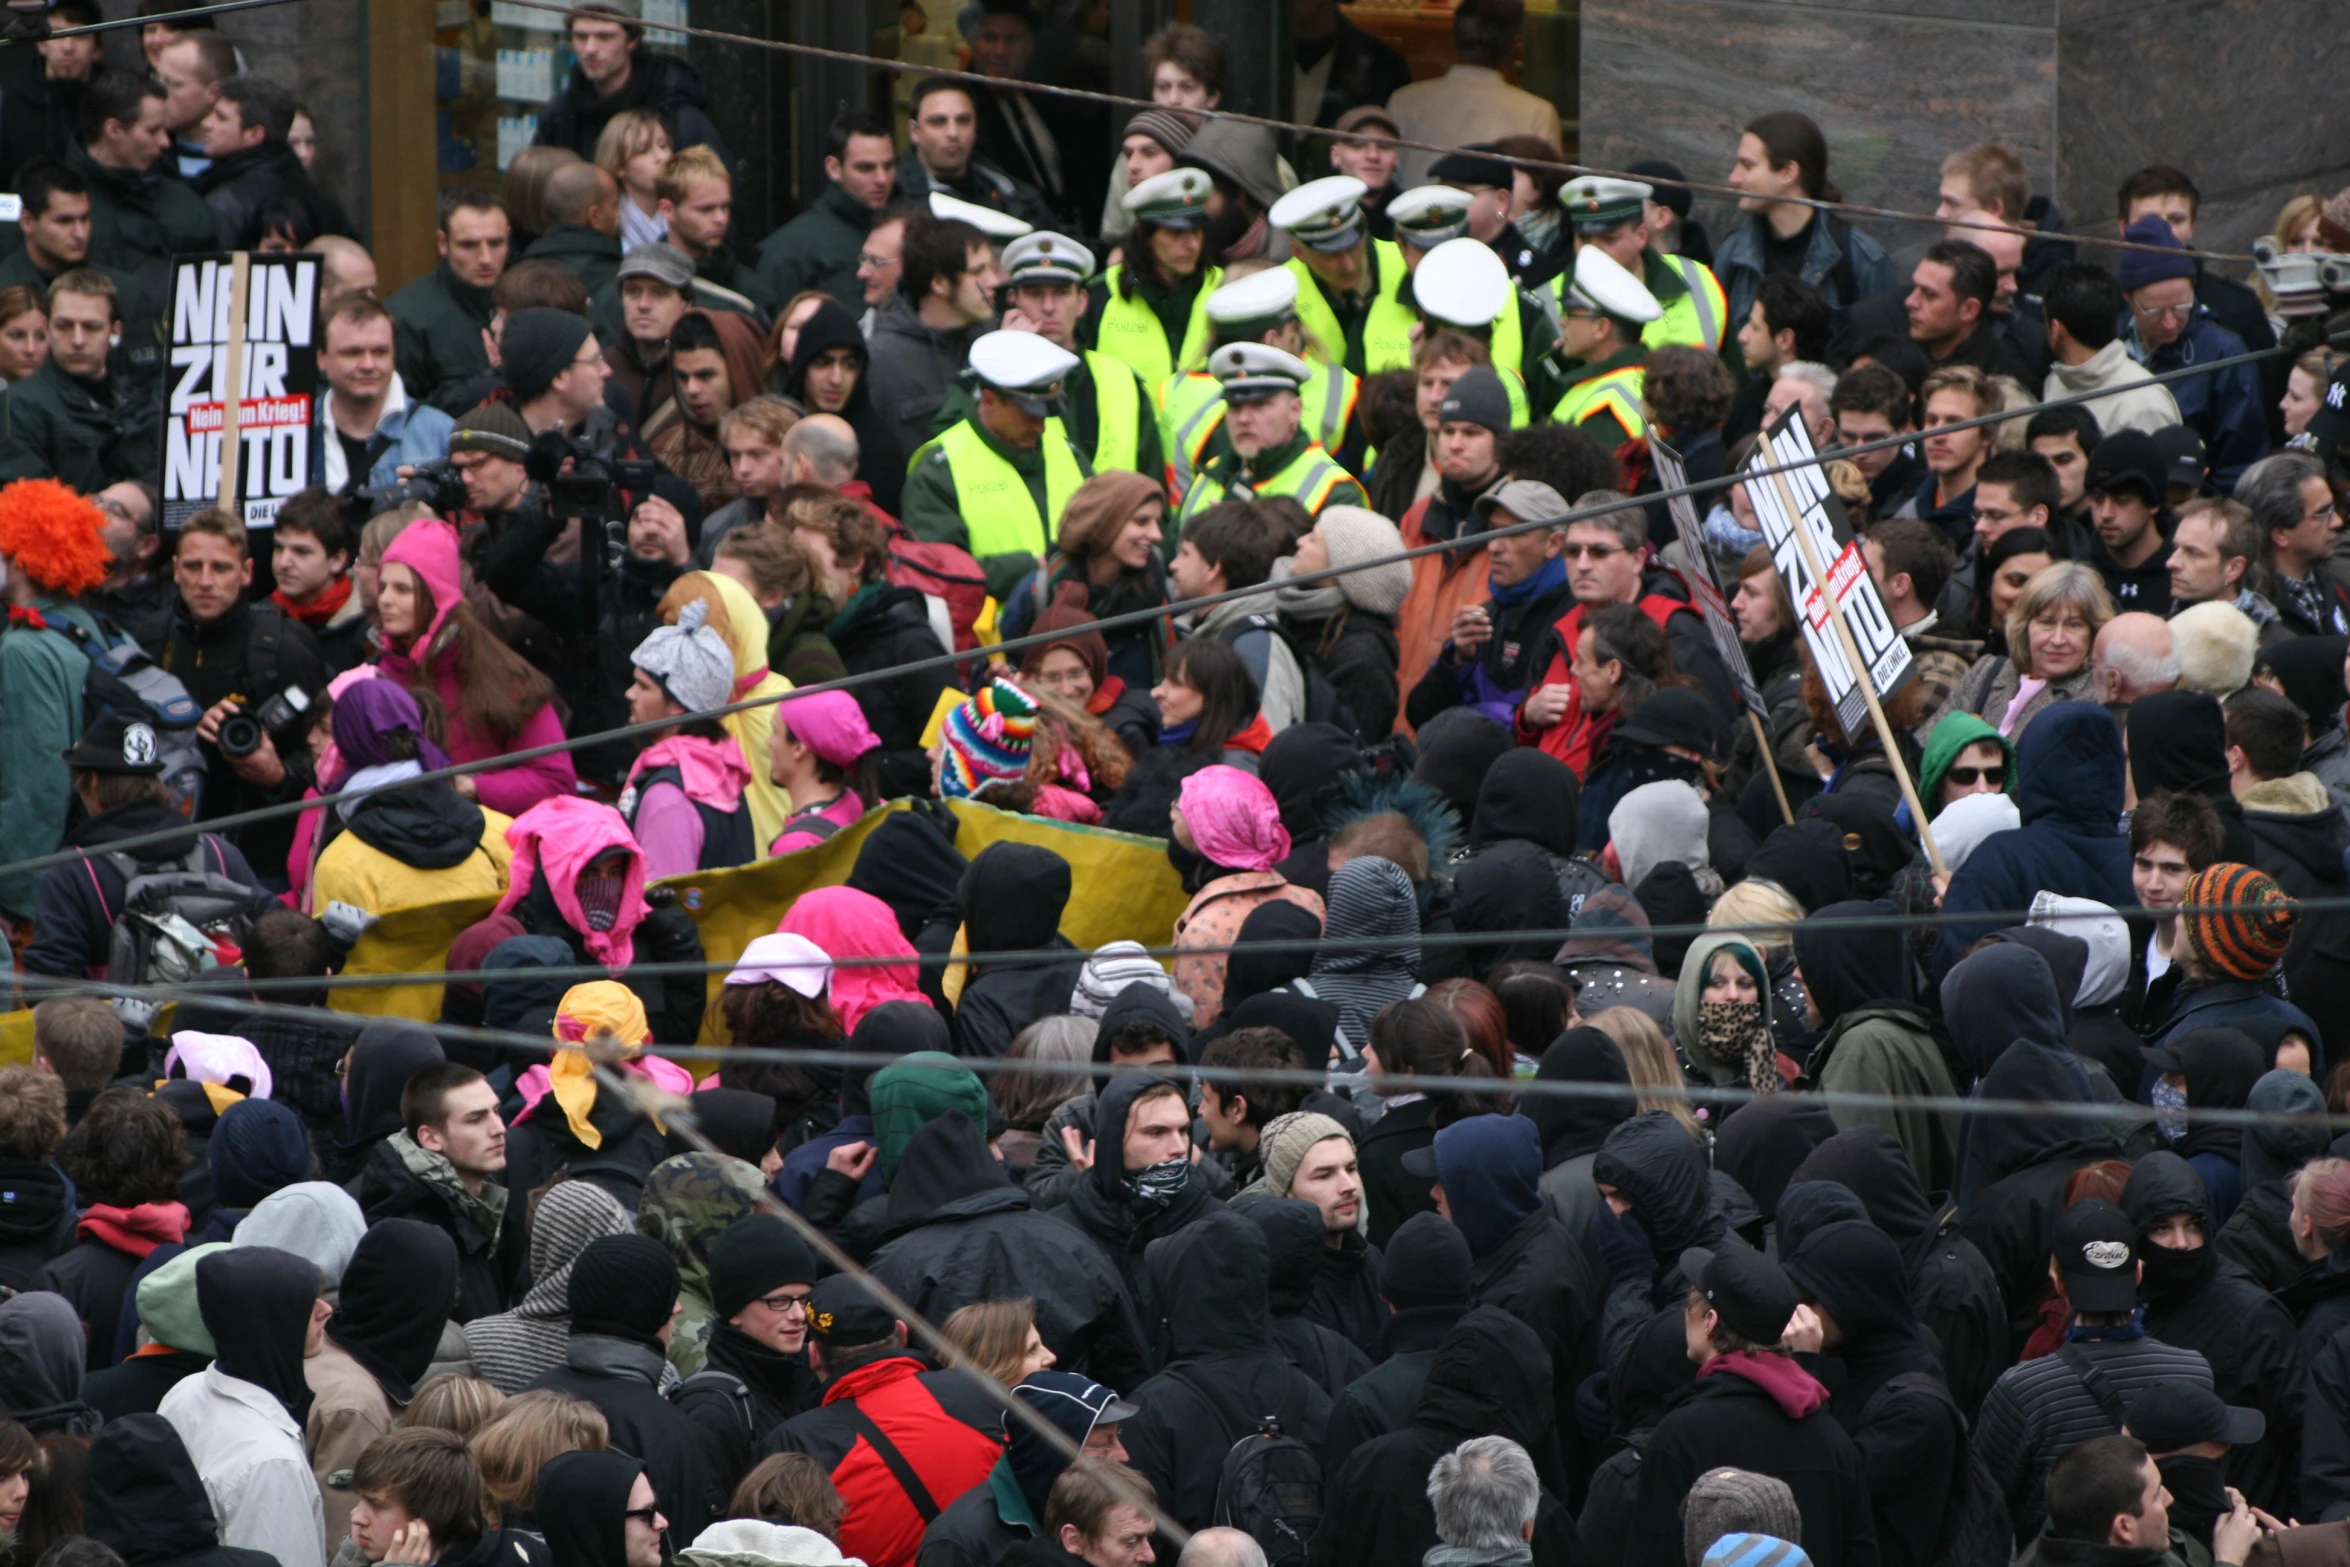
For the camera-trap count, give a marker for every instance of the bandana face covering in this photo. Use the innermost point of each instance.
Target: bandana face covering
(2170, 1110)
(1158, 1185)
(599, 900)
(1734, 1032)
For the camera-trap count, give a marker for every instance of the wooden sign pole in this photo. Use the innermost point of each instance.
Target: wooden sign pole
(1762, 740)
(1860, 673)
(232, 402)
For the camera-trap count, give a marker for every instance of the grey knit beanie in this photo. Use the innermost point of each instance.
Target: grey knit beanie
(1356, 533)
(1736, 1501)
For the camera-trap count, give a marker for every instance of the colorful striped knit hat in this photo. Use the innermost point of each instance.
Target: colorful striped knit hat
(1755, 1550)
(987, 738)
(2237, 919)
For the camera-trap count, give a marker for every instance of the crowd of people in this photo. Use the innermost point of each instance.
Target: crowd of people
(1578, 1118)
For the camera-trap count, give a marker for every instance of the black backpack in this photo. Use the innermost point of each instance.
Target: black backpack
(173, 912)
(1270, 1485)
(1977, 1530)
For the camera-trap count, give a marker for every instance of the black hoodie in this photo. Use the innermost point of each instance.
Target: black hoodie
(910, 863)
(879, 462)
(148, 1505)
(1490, 1376)
(1511, 888)
(961, 1232)
(1295, 1239)
(2197, 1300)
(1424, 1274)
(256, 1303)
(1762, 1144)
(36, 1220)
(1951, 1286)
(1662, 1174)
(397, 1294)
(1011, 900)
(430, 827)
(1911, 1437)
(1100, 1206)
(75, 907)
(1211, 1284)
(582, 1505)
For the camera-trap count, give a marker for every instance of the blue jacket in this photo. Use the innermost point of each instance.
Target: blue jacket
(2224, 407)
(2218, 1003)
(408, 434)
(1838, 252)
(2069, 768)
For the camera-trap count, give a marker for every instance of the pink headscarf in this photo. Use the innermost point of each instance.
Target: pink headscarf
(562, 837)
(850, 924)
(711, 772)
(428, 547)
(1235, 822)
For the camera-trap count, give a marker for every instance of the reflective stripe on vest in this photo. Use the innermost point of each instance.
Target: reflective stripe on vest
(1117, 406)
(1706, 298)
(998, 511)
(1191, 406)
(1129, 330)
(1387, 329)
(1617, 392)
(1309, 479)
(1329, 400)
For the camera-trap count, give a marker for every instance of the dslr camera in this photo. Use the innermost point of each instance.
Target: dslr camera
(590, 487)
(437, 485)
(242, 731)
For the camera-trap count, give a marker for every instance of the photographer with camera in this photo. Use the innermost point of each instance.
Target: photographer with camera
(253, 670)
(368, 428)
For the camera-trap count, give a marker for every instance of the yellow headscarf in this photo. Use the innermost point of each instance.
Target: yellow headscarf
(746, 636)
(601, 1006)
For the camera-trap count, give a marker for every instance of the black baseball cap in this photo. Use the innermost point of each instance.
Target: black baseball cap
(2178, 1414)
(2128, 460)
(2182, 450)
(2097, 1256)
(844, 1310)
(1752, 1294)
(117, 743)
(1674, 716)
(2330, 425)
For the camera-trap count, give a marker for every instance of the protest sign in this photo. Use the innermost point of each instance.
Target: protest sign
(249, 321)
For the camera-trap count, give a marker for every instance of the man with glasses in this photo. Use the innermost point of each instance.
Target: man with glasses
(756, 1375)
(2168, 331)
(1607, 563)
(2293, 507)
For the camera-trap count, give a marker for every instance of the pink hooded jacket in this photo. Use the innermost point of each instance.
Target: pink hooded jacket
(666, 824)
(428, 547)
(560, 838)
(850, 925)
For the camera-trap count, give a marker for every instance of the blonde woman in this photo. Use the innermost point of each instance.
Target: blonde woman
(633, 149)
(450, 1402)
(1649, 1057)
(532, 1428)
(2051, 629)
(998, 1337)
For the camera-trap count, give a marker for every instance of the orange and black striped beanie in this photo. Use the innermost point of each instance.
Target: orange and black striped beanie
(2238, 919)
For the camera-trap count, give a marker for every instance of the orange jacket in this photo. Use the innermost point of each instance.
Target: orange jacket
(1443, 585)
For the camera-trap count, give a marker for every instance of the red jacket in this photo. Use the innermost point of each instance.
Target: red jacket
(1576, 738)
(930, 1417)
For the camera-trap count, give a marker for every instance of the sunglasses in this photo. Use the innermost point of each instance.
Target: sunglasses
(648, 1516)
(1965, 777)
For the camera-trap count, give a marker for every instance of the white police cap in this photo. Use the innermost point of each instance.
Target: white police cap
(1324, 214)
(1596, 203)
(1254, 370)
(1601, 283)
(1177, 199)
(1269, 296)
(998, 226)
(1023, 366)
(1428, 215)
(1046, 257)
(1462, 283)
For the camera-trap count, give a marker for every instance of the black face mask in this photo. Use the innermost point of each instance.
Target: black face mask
(2198, 1494)
(1226, 228)
(2170, 1273)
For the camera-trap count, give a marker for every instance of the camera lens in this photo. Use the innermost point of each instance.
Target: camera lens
(240, 734)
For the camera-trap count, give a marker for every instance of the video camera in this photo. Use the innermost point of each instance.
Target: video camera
(2305, 284)
(592, 486)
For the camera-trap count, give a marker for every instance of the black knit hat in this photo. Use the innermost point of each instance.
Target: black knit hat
(755, 1255)
(538, 345)
(623, 1286)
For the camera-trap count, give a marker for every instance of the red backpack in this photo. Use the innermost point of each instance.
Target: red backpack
(943, 572)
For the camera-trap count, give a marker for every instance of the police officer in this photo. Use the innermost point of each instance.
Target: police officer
(1258, 308)
(1425, 217)
(996, 481)
(1271, 454)
(1349, 284)
(1000, 227)
(1463, 284)
(1612, 215)
(1151, 309)
(1606, 309)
